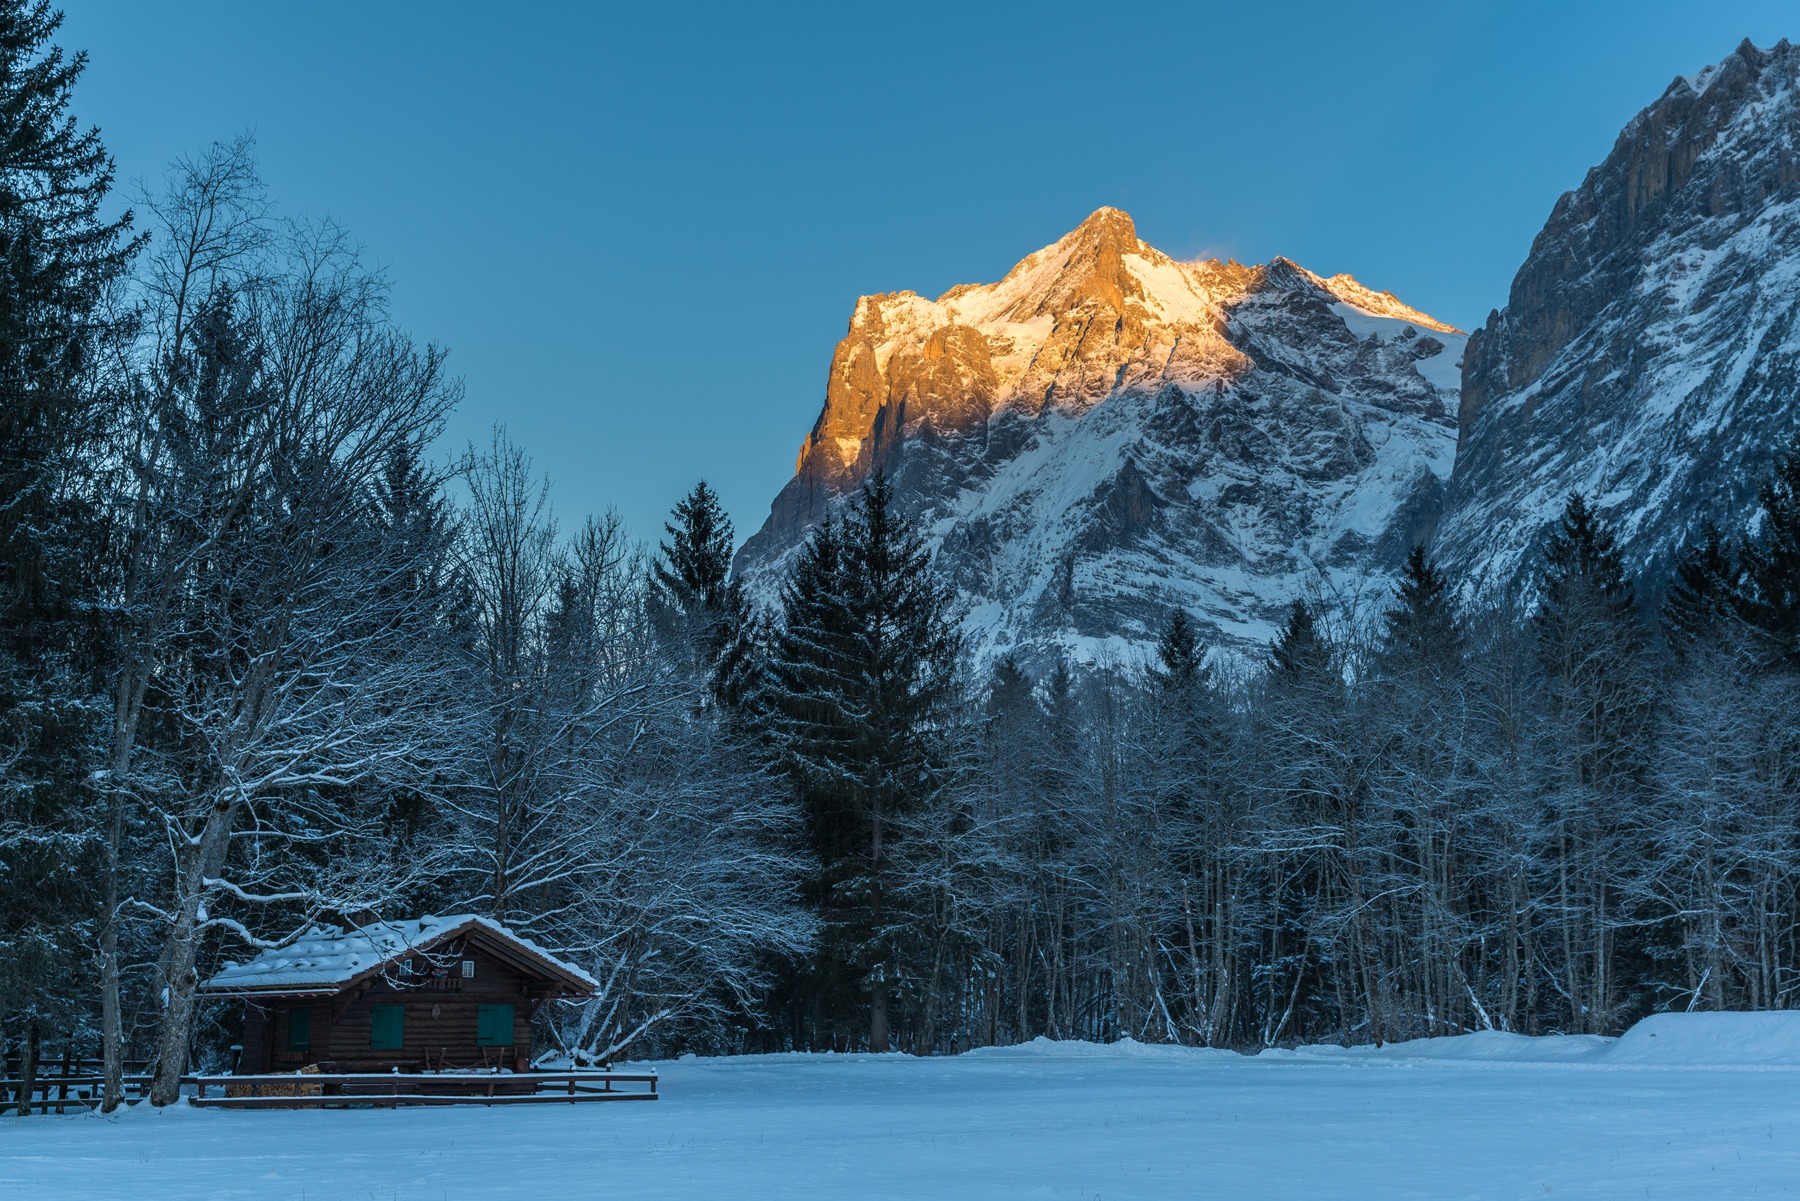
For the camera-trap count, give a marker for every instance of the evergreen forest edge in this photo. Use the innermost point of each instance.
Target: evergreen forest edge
(264, 665)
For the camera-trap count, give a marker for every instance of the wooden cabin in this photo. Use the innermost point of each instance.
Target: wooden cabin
(433, 994)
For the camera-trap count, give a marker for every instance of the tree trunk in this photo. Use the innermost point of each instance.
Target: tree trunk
(112, 1026)
(28, 1066)
(182, 952)
(878, 1017)
(878, 998)
(1023, 984)
(1219, 1013)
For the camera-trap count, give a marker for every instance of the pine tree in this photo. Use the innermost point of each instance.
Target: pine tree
(1414, 712)
(1299, 653)
(1320, 763)
(1704, 592)
(1586, 623)
(417, 520)
(58, 257)
(693, 571)
(1009, 690)
(1179, 651)
(699, 606)
(1421, 630)
(1771, 563)
(1582, 565)
(861, 681)
(1590, 651)
(797, 708)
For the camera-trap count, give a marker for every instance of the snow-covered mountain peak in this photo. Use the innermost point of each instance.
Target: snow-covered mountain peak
(1381, 304)
(1107, 433)
(1747, 59)
(1648, 351)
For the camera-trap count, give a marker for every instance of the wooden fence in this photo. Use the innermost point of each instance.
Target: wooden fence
(61, 1093)
(310, 1090)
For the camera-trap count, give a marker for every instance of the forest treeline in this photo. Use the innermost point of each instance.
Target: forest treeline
(1549, 815)
(267, 663)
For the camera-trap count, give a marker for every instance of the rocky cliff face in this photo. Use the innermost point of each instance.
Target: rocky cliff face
(1648, 353)
(1108, 433)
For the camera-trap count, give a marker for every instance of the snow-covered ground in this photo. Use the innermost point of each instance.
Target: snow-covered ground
(1702, 1106)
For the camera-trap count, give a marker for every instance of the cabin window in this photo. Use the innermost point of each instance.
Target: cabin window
(387, 1027)
(299, 1029)
(468, 969)
(494, 1025)
(406, 967)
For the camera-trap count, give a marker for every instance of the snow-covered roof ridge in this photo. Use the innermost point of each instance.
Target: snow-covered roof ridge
(328, 957)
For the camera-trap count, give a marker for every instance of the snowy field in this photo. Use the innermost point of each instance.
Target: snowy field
(1706, 1106)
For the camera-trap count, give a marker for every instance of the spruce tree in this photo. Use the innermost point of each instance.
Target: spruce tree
(797, 705)
(699, 607)
(58, 257)
(1299, 654)
(1179, 651)
(1582, 565)
(1598, 701)
(861, 684)
(1705, 588)
(1313, 767)
(1009, 690)
(693, 571)
(1421, 630)
(1771, 564)
(1414, 710)
(1586, 620)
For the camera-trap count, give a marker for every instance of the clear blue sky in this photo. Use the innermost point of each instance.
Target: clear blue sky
(641, 227)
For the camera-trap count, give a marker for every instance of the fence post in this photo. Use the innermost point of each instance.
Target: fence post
(62, 1094)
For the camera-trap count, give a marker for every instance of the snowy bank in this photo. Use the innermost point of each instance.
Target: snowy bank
(1711, 1040)
(1663, 1040)
(1482, 1116)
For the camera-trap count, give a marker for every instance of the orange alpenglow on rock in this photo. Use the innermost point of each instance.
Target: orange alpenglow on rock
(1015, 417)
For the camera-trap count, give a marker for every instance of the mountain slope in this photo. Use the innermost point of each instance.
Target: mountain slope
(1107, 433)
(1648, 353)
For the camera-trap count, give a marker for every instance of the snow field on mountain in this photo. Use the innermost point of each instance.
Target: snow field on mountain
(1107, 433)
(1648, 351)
(1683, 1106)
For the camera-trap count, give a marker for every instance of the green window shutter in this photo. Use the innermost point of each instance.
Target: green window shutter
(494, 1026)
(299, 1029)
(387, 1027)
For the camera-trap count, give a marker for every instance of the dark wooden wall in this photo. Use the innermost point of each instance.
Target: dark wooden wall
(256, 1040)
(450, 1034)
(440, 1027)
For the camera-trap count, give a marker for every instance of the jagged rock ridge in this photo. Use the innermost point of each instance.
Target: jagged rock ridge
(1107, 433)
(1647, 355)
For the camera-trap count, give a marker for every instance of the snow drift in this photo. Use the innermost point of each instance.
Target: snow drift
(1711, 1040)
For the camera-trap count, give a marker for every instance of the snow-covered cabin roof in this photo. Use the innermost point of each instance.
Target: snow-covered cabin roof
(328, 959)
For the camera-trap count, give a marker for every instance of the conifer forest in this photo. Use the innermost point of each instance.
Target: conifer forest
(273, 655)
